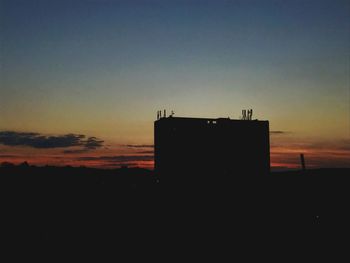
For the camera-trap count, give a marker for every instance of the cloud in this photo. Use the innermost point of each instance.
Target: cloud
(117, 158)
(278, 132)
(146, 152)
(39, 141)
(319, 145)
(139, 145)
(118, 165)
(8, 156)
(93, 143)
(343, 145)
(84, 150)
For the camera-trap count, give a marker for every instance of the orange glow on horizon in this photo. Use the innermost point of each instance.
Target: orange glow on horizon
(280, 158)
(115, 156)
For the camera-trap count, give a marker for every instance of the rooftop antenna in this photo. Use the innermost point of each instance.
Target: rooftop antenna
(250, 114)
(164, 113)
(172, 113)
(244, 114)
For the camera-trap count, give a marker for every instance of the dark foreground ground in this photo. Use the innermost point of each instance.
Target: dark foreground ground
(79, 205)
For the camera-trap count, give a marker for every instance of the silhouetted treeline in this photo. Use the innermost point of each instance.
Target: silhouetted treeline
(52, 176)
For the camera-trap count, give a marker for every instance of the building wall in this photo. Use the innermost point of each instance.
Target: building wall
(198, 148)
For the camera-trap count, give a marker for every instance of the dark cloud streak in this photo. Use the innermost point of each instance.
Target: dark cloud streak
(84, 150)
(39, 141)
(139, 145)
(279, 132)
(93, 143)
(146, 152)
(118, 158)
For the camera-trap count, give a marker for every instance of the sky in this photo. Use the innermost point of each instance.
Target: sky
(81, 81)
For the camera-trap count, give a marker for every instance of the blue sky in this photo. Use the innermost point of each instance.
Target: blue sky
(104, 68)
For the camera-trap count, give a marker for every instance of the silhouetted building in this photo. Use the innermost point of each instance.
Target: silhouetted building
(195, 147)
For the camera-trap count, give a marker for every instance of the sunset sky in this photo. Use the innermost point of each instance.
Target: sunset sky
(81, 81)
